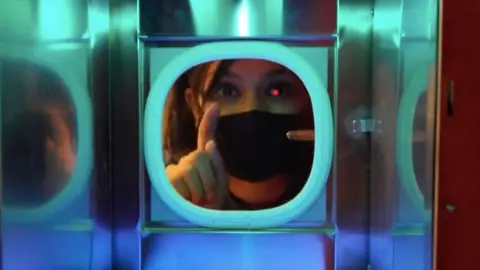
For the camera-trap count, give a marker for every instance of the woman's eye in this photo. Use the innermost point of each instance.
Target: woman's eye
(277, 90)
(227, 90)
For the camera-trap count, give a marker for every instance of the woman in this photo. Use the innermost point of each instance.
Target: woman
(224, 135)
(38, 138)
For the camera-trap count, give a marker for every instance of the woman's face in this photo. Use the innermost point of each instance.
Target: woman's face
(259, 85)
(259, 102)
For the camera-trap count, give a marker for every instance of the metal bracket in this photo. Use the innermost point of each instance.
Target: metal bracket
(366, 125)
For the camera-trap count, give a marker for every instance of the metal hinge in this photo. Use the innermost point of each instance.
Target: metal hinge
(366, 125)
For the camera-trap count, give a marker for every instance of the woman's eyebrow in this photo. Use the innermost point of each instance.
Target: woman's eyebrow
(271, 73)
(276, 72)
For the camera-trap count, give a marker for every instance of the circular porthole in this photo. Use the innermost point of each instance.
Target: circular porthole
(249, 57)
(46, 135)
(421, 82)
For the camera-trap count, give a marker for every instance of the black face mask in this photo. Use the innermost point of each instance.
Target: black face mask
(254, 145)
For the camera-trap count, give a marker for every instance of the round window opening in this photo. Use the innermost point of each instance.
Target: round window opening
(46, 145)
(238, 140)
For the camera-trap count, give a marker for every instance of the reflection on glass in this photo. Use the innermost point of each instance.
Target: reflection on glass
(38, 141)
(415, 156)
(420, 151)
(225, 135)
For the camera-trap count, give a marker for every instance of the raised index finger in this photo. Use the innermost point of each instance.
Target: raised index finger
(206, 129)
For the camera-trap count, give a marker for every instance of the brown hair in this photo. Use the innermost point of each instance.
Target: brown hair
(179, 125)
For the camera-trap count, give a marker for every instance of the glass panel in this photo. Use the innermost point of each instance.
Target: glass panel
(159, 57)
(233, 18)
(46, 123)
(46, 135)
(405, 59)
(31, 20)
(382, 194)
(354, 125)
(241, 76)
(35, 101)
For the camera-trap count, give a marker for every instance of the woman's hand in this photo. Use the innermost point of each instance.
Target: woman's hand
(200, 176)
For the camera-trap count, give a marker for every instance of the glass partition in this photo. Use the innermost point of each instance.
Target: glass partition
(378, 66)
(217, 134)
(47, 135)
(265, 77)
(402, 187)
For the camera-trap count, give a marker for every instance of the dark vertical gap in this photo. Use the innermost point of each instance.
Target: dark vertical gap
(145, 184)
(101, 187)
(332, 90)
(144, 90)
(334, 78)
(124, 138)
(369, 102)
(1, 166)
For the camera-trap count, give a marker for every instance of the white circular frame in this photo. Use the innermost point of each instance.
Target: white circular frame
(84, 158)
(405, 125)
(323, 122)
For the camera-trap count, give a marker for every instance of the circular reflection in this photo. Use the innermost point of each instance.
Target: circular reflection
(225, 135)
(411, 139)
(38, 136)
(420, 150)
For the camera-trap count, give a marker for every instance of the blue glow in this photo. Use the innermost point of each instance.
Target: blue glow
(277, 251)
(46, 249)
(243, 20)
(239, 252)
(60, 26)
(323, 135)
(50, 248)
(186, 251)
(81, 175)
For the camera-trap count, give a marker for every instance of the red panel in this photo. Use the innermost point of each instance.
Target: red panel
(459, 168)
